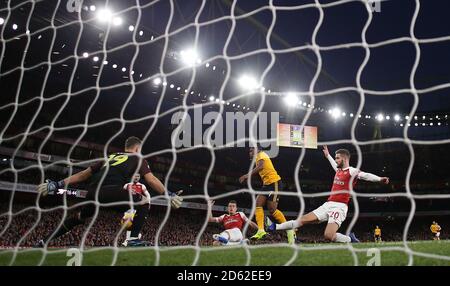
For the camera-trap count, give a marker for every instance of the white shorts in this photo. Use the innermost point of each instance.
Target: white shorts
(333, 212)
(233, 234)
(438, 234)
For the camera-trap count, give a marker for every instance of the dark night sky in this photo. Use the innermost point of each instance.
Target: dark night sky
(389, 66)
(62, 93)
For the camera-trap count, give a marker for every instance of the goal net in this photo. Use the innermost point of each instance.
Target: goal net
(201, 83)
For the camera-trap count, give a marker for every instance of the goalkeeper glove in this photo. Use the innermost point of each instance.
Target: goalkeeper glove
(50, 187)
(175, 199)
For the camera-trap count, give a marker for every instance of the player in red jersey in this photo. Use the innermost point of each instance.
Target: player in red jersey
(136, 188)
(233, 222)
(334, 211)
(140, 191)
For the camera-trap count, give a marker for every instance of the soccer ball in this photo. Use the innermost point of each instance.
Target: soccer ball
(127, 219)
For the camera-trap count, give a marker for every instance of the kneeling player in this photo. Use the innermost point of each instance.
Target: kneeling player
(233, 223)
(334, 211)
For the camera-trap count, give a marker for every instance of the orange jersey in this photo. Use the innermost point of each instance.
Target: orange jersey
(435, 228)
(268, 173)
(377, 231)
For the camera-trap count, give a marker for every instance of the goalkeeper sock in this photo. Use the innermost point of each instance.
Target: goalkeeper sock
(259, 214)
(278, 216)
(128, 234)
(138, 220)
(67, 226)
(341, 238)
(292, 224)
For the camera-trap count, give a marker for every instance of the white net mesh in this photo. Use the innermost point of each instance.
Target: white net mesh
(78, 77)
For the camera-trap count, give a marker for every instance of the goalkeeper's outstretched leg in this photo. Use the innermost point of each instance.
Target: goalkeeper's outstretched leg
(106, 195)
(88, 211)
(80, 218)
(108, 179)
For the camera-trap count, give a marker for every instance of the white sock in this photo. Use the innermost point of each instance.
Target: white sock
(233, 242)
(128, 234)
(342, 238)
(292, 224)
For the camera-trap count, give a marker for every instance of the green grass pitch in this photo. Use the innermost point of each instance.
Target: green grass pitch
(435, 253)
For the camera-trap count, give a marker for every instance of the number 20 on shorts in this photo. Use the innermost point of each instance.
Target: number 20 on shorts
(334, 215)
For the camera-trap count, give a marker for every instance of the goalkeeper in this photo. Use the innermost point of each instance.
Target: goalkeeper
(105, 185)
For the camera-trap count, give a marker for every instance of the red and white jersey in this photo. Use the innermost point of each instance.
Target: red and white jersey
(341, 182)
(135, 188)
(232, 221)
(340, 192)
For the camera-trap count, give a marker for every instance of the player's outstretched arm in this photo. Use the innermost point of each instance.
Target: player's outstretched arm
(50, 186)
(246, 219)
(210, 215)
(259, 167)
(156, 185)
(369, 177)
(328, 156)
(79, 177)
(253, 224)
(146, 197)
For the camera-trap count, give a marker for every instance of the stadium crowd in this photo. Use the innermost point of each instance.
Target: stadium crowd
(25, 227)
